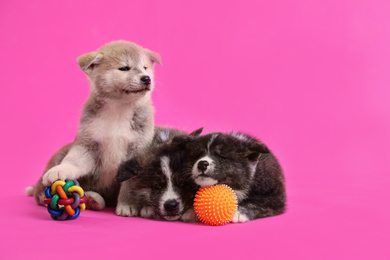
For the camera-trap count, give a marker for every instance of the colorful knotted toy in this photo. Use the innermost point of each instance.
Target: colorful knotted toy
(215, 205)
(65, 200)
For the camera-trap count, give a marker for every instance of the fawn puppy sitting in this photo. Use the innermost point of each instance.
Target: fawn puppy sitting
(116, 122)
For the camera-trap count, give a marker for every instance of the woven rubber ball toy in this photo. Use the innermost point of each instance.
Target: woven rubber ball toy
(215, 205)
(64, 200)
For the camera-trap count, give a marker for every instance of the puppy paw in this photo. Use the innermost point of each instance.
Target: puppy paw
(240, 217)
(39, 199)
(147, 212)
(126, 210)
(60, 172)
(94, 201)
(189, 216)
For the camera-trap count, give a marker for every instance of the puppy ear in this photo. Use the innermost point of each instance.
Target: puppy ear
(253, 156)
(181, 139)
(255, 150)
(86, 60)
(155, 57)
(128, 170)
(197, 132)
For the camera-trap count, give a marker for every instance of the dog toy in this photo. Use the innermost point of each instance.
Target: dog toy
(65, 200)
(215, 205)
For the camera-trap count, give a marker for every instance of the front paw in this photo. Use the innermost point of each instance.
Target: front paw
(189, 216)
(147, 212)
(240, 217)
(60, 172)
(126, 210)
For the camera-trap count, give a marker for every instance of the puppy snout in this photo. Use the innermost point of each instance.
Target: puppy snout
(172, 206)
(203, 165)
(146, 80)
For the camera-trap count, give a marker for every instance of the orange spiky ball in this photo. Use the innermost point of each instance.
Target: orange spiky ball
(215, 205)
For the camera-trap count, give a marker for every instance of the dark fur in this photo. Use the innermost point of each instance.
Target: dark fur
(148, 182)
(145, 181)
(234, 157)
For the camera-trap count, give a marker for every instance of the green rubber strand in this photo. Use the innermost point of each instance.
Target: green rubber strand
(54, 201)
(68, 185)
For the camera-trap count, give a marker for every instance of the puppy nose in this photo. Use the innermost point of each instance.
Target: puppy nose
(146, 80)
(202, 165)
(171, 205)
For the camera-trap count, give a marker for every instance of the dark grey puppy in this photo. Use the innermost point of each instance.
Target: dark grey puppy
(155, 185)
(241, 162)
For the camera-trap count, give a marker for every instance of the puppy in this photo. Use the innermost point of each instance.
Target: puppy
(156, 185)
(241, 162)
(116, 122)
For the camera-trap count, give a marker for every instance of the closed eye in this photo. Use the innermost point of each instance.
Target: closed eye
(158, 186)
(222, 156)
(125, 68)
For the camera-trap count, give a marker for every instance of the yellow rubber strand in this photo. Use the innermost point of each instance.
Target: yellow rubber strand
(54, 186)
(77, 189)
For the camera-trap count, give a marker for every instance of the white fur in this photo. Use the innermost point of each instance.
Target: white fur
(211, 141)
(112, 130)
(239, 136)
(240, 217)
(205, 181)
(252, 169)
(169, 193)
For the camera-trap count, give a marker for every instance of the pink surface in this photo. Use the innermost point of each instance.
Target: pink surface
(310, 78)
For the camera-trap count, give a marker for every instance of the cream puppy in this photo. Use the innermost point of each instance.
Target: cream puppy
(116, 122)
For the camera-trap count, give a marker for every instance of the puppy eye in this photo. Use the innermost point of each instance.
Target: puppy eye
(222, 156)
(125, 68)
(158, 186)
(145, 67)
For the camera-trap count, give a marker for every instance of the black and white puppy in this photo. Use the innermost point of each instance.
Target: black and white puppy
(156, 186)
(241, 162)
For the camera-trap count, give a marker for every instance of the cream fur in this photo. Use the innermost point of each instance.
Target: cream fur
(77, 163)
(116, 123)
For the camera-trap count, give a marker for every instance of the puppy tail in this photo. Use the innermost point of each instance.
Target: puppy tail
(30, 190)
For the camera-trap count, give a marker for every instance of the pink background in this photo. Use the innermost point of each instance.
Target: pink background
(309, 77)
